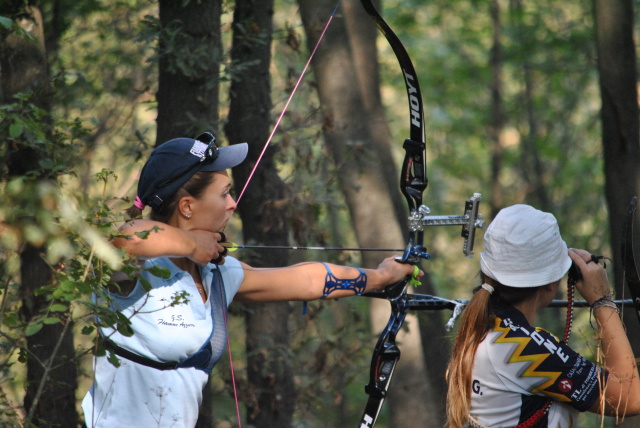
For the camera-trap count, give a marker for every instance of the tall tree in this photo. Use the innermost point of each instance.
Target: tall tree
(362, 34)
(51, 373)
(497, 110)
(189, 56)
(271, 392)
(620, 128)
(189, 61)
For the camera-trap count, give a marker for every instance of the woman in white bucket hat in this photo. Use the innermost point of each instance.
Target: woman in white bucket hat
(504, 372)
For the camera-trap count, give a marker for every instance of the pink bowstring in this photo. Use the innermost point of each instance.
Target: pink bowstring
(286, 106)
(233, 374)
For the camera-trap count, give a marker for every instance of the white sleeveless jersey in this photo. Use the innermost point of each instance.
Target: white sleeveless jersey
(517, 368)
(139, 396)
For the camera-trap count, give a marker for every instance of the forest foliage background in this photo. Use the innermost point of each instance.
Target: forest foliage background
(104, 73)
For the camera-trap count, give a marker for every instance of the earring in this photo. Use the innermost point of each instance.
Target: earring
(188, 216)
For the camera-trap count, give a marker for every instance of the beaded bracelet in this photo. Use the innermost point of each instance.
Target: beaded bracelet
(605, 301)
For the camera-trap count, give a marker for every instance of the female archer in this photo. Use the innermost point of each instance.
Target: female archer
(506, 373)
(165, 364)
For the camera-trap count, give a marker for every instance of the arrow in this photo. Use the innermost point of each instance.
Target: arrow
(232, 246)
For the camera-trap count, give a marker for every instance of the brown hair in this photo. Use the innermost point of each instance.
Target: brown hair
(477, 319)
(194, 187)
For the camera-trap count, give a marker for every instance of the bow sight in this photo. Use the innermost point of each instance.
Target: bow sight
(470, 221)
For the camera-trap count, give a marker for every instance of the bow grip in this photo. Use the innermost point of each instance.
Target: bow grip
(386, 363)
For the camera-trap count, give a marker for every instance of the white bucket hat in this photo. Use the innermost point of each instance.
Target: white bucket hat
(523, 248)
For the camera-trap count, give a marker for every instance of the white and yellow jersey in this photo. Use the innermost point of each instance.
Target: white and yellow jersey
(518, 368)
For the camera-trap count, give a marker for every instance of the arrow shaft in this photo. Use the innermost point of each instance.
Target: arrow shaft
(232, 246)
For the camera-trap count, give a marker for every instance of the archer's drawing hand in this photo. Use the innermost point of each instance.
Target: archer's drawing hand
(206, 247)
(594, 283)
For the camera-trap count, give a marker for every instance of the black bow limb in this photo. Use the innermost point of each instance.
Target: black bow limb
(413, 182)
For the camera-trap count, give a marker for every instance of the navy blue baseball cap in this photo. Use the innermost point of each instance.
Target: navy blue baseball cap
(173, 163)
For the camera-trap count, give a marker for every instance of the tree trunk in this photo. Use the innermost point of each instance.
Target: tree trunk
(348, 134)
(190, 54)
(23, 68)
(55, 405)
(530, 164)
(620, 139)
(362, 34)
(188, 82)
(271, 395)
(497, 113)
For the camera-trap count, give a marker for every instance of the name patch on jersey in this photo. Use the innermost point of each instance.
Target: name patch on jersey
(536, 337)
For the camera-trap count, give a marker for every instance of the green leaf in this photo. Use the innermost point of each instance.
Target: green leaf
(124, 329)
(10, 319)
(46, 163)
(160, 272)
(51, 320)
(16, 130)
(113, 359)
(22, 356)
(88, 329)
(99, 351)
(33, 328)
(142, 235)
(67, 286)
(5, 22)
(146, 285)
(145, 233)
(58, 308)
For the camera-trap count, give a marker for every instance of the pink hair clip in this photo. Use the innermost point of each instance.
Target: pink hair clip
(138, 203)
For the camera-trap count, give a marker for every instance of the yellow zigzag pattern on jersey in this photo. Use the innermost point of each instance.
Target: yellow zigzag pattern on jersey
(535, 361)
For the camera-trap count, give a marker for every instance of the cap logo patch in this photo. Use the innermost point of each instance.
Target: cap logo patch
(198, 149)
